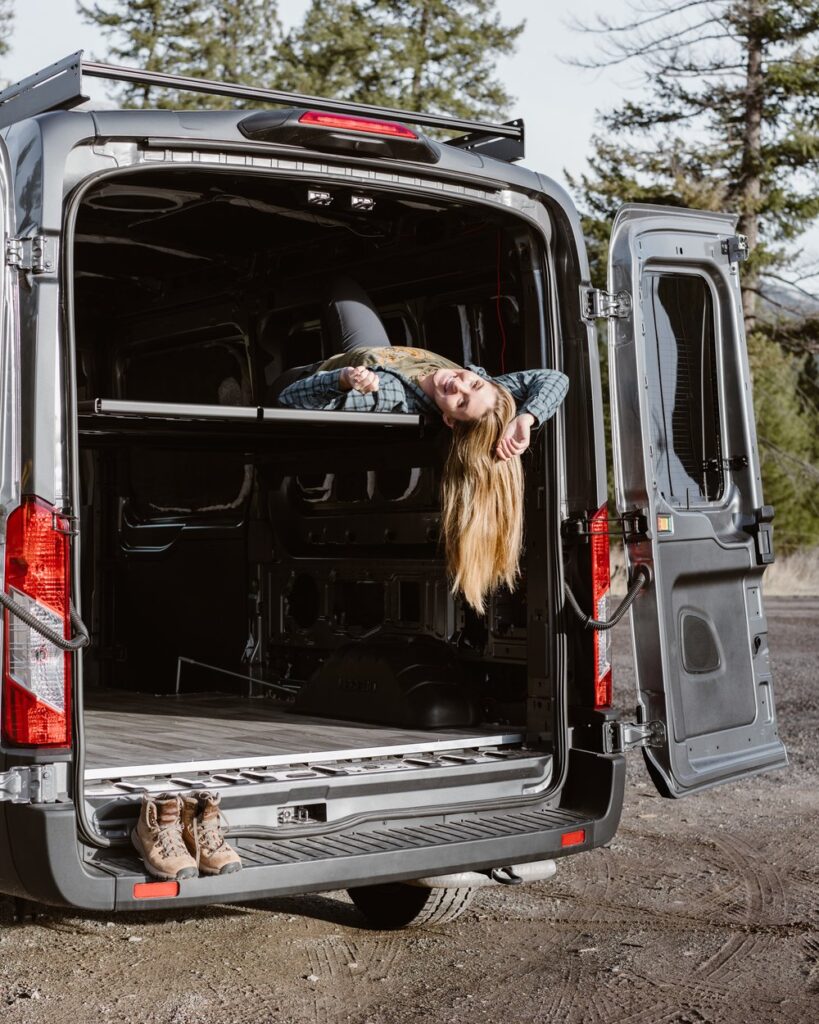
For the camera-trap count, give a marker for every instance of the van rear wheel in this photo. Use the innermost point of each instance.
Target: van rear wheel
(398, 905)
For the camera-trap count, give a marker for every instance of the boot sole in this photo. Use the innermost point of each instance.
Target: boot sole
(228, 869)
(163, 876)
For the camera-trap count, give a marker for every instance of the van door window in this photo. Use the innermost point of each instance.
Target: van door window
(683, 391)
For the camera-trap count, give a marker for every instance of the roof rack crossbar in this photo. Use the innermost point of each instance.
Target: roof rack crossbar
(492, 143)
(60, 86)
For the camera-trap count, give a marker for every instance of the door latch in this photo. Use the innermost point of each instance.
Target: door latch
(618, 737)
(762, 530)
(736, 248)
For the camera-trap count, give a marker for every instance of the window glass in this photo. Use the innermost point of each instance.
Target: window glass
(683, 393)
(211, 483)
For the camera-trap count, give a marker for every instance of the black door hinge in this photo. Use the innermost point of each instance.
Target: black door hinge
(630, 526)
(736, 248)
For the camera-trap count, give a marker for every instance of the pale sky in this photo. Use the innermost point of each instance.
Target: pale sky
(557, 102)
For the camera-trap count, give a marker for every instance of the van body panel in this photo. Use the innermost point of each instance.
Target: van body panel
(686, 457)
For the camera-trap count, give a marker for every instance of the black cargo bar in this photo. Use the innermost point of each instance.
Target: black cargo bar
(60, 86)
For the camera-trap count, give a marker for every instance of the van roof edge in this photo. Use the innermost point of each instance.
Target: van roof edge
(60, 86)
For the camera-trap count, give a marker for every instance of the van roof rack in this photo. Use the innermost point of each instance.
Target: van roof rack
(60, 86)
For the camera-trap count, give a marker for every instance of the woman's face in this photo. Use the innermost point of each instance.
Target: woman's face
(462, 395)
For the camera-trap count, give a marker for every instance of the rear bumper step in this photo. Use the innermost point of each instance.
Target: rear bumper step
(366, 855)
(50, 865)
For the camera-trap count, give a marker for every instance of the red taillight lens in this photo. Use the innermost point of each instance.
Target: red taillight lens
(349, 123)
(601, 587)
(36, 674)
(573, 838)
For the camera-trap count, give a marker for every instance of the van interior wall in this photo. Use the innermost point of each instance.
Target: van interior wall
(267, 553)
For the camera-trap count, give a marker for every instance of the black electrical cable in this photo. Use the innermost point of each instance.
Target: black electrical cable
(642, 576)
(76, 643)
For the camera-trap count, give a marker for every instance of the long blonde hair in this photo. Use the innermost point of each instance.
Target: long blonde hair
(482, 505)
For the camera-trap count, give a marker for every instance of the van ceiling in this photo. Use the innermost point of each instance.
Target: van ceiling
(170, 223)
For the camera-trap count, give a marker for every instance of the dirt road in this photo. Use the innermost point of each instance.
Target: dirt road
(703, 910)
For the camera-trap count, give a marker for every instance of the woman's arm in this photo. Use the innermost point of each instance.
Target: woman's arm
(350, 389)
(536, 392)
(323, 390)
(318, 391)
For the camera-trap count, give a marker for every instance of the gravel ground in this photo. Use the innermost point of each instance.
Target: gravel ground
(702, 910)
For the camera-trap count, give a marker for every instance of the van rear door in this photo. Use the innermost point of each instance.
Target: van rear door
(685, 455)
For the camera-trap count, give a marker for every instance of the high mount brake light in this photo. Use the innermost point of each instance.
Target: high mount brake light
(601, 588)
(36, 674)
(347, 135)
(350, 123)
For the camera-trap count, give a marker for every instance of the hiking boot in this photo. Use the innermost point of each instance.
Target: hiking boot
(158, 838)
(205, 836)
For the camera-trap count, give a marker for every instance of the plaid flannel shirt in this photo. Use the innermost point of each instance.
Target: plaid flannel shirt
(538, 392)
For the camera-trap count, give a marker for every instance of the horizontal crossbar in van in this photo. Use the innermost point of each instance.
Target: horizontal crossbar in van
(98, 412)
(60, 86)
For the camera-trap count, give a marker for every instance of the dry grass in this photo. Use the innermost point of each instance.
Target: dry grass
(795, 575)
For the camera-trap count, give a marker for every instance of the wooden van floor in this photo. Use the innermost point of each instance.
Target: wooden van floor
(129, 729)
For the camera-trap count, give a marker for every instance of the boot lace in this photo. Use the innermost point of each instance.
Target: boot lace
(211, 833)
(170, 841)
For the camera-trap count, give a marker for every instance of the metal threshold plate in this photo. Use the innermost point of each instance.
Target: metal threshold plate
(306, 758)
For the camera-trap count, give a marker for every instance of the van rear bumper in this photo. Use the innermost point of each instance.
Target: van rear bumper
(52, 867)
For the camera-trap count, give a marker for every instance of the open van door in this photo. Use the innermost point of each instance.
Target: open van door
(686, 462)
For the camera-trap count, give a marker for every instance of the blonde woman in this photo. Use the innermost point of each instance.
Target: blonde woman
(491, 420)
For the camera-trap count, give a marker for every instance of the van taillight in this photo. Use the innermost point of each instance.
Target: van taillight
(601, 588)
(36, 674)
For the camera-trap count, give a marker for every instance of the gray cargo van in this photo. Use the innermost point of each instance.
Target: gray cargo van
(203, 590)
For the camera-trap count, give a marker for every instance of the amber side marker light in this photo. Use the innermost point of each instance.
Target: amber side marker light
(155, 890)
(573, 838)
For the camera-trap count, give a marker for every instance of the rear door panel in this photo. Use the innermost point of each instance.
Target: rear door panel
(685, 455)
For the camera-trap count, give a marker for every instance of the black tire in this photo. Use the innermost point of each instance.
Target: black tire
(397, 905)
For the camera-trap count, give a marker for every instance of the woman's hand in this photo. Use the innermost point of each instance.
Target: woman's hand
(358, 378)
(515, 440)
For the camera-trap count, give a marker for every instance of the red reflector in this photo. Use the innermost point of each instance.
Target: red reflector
(155, 890)
(573, 838)
(603, 693)
(348, 123)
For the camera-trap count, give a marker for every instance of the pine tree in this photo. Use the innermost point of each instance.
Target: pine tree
(234, 41)
(731, 121)
(152, 35)
(6, 24)
(221, 40)
(728, 119)
(429, 55)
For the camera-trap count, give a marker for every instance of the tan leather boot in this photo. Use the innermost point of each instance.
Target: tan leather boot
(204, 835)
(158, 838)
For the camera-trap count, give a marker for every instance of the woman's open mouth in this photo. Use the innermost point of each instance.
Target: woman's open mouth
(448, 386)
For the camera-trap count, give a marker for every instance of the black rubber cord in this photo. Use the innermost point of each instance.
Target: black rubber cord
(642, 576)
(76, 643)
